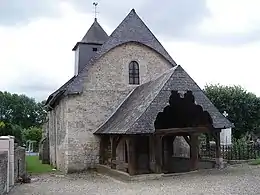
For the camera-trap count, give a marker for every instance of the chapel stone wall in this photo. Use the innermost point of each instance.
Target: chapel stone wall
(106, 86)
(58, 136)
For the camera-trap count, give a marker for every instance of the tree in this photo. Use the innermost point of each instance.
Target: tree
(243, 108)
(33, 134)
(21, 110)
(14, 130)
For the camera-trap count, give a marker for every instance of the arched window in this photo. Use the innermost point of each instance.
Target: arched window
(134, 73)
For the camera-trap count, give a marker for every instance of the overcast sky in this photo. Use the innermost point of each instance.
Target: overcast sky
(215, 41)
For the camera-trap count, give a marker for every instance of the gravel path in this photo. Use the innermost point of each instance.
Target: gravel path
(239, 179)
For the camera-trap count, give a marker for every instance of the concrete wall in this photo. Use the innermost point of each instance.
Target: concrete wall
(3, 171)
(106, 86)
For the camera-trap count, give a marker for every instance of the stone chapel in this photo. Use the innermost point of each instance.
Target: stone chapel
(125, 105)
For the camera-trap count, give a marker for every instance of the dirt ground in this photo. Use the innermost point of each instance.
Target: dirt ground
(239, 179)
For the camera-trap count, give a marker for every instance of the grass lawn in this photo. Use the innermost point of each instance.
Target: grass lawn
(34, 166)
(255, 162)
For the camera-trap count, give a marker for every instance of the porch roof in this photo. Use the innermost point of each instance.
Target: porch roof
(138, 112)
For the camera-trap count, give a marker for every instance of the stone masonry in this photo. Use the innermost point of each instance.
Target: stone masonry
(19, 162)
(12, 163)
(73, 147)
(3, 171)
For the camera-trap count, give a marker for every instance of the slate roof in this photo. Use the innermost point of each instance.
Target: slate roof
(55, 95)
(131, 29)
(139, 111)
(95, 35)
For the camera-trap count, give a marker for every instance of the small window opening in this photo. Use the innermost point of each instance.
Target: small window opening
(134, 73)
(94, 49)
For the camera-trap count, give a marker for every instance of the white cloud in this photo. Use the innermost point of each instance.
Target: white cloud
(232, 16)
(39, 54)
(37, 58)
(224, 65)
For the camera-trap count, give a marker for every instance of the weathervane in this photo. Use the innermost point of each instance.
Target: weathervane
(95, 6)
(225, 114)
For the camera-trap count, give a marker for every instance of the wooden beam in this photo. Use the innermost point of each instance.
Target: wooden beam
(194, 151)
(182, 130)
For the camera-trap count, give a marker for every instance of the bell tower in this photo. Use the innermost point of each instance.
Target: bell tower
(89, 45)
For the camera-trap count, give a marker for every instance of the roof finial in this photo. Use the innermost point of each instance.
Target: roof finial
(95, 6)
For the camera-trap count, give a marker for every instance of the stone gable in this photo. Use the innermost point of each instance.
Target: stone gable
(110, 72)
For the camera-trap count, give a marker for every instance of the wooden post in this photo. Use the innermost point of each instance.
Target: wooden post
(152, 153)
(102, 150)
(207, 144)
(130, 142)
(219, 159)
(114, 142)
(158, 154)
(169, 147)
(194, 151)
(113, 151)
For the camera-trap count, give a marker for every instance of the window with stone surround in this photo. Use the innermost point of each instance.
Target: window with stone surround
(134, 73)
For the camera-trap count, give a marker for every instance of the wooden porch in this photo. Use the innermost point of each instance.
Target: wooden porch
(153, 153)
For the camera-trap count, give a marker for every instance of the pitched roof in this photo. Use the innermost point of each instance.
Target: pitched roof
(95, 35)
(139, 111)
(51, 99)
(131, 29)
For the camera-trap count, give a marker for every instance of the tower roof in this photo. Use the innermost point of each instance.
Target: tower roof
(95, 35)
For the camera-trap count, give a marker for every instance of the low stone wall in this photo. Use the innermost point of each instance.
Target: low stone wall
(12, 163)
(3, 171)
(19, 162)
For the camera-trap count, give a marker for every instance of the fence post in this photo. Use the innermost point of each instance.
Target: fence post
(231, 153)
(247, 150)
